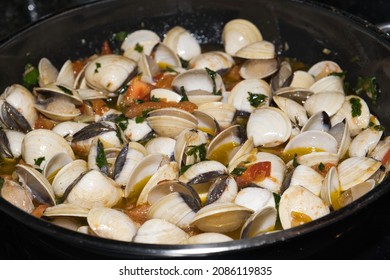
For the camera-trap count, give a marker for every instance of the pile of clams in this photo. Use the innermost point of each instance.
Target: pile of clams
(163, 143)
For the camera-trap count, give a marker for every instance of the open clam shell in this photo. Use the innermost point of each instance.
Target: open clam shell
(295, 111)
(221, 217)
(143, 37)
(66, 210)
(17, 195)
(222, 112)
(182, 42)
(255, 198)
(215, 60)
(260, 222)
(208, 238)
(257, 50)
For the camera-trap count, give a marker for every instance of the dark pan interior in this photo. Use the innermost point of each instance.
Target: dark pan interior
(306, 28)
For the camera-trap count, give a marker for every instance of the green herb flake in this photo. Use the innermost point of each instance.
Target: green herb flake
(368, 86)
(199, 151)
(1, 182)
(97, 66)
(321, 167)
(155, 99)
(213, 75)
(101, 159)
(183, 94)
(238, 171)
(277, 200)
(139, 48)
(184, 63)
(379, 127)
(141, 119)
(138, 101)
(356, 107)
(295, 160)
(122, 121)
(339, 74)
(169, 69)
(256, 99)
(38, 161)
(184, 168)
(65, 90)
(30, 76)
(120, 36)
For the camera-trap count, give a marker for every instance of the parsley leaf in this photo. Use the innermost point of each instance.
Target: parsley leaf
(368, 86)
(65, 90)
(155, 99)
(321, 167)
(139, 48)
(184, 168)
(183, 94)
(101, 159)
(238, 171)
(256, 99)
(199, 152)
(38, 161)
(356, 107)
(97, 66)
(30, 76)
(295, 160)
(122, 121)
(120, 36)
(142, 118)
(213, 75)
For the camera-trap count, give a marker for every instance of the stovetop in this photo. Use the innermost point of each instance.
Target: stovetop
(370, 240)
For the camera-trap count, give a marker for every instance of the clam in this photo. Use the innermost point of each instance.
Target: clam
(301, 79)
(328, 101)
(111, 224)
(355, 192)
(66, 74)
(67, 129)
(126, 160)
(298, 206)
(170, 122)
(208, 238)
(223, 113)
(260, 222)
(330, 189)
(158, 231)
(269, 127)
(283, 76)
(299, 95)
(145, 39)
(48, 73)
(323, 69)
(365, 142)
(329, 83)
(17, 110)
(221, 217)
(163, 145)
(225, 145)
(255, 198)
(55, 163)
(355, 170)
(108, 73)
(258, 68)
(10, 143)
(207, 123)
(319, 121)
(136, 131)
(93, 189)
(66, 210)
(142, 173)
(41, 145)
(250, 94)
(215, 60)
(295, 111)
(165, 94)
(239, 33)
(17, 195)
(257, 50)
(36, 183)
(182, 42)
(164, 56)
(224, 189)
(204, 171)
(308, 178)
(315, 159)
(176, 208)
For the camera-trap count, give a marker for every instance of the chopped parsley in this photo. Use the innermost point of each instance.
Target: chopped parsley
(97, 66)
(184, 63)
(295, 160)
(368, 86)
(256, 99)
(321, 167)
(238, 171)
(169, 69)
(277, 200)
(184, 168)
(120, 36)
(155, 99)
(338, 74)
(356, 107)
(30, 76)
(65, 90)
(377, 127)
(199, 152)
(1, 182)
(183, 94)
(101, 159)
(122, 121)
(38, 161)
(213, 75)
(141, 119)
(139, 48)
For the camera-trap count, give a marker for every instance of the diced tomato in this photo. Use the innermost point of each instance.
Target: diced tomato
(256, 172)
(43, 122)
(165, 81)
(106, 49)
(386, 158)
(99, 106)
(38, 211)
(138, 90)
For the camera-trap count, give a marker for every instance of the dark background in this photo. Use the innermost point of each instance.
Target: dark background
(370, 240)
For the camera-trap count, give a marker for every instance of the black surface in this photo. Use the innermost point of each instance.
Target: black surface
(370, 239)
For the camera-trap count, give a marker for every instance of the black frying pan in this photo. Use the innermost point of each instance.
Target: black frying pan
(307, 28)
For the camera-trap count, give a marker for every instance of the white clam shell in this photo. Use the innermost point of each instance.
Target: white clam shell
(182, 42)
(300, 200)
(355, 170)
(17, 196)
(328, 101)
(208, 238)
(15, 139)
(48, 73)
(260, 222)
(238, 33)
(258, 68)
(165, 94)
(158, 231)
(95, 189)
(146, 38)
(239, 94)
(214, 60)
(269, 127)
(314, 139)
(295, 111)
(222, 112)
(257, 50)
(329, 83)
(112, 224)
(302, 79)
(163, 145)
(255, 198)
(202, 167)
(66, 210)
(323, 69)
(136, 131)
(307, 177)
(365, 142)
(66, 74)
